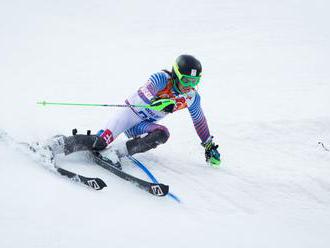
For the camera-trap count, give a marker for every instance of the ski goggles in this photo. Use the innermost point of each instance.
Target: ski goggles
(186, 80)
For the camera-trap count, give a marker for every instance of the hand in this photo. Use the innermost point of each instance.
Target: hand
(165, 105)
(211, 153)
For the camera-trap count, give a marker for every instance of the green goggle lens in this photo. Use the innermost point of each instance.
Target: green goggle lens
(186, 80)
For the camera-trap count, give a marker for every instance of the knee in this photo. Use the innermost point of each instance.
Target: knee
(162, 135)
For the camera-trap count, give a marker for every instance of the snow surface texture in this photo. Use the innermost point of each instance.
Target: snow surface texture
(265, 92)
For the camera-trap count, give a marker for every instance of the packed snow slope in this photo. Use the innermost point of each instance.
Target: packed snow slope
(265, 93)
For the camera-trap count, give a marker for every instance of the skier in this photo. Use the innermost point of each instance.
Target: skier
(140, 124)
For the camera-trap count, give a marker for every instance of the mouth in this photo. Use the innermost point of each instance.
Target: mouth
(186, 89)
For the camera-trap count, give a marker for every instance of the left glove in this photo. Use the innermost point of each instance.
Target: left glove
(165, 105)
(212, 155)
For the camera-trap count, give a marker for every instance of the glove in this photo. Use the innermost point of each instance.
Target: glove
(164, 105)
(212, 155)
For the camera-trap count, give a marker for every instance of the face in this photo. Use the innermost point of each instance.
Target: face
(184, 89)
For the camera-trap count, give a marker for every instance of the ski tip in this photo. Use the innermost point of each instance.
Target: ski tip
(96, 183)
(159, 189)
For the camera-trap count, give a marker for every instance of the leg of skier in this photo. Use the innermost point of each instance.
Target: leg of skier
(155, 135)
(121, 121)
(126, 120)
(146, 135)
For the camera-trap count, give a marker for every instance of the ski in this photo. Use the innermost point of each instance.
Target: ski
(152, 178)
(92, 182)
(156, 189)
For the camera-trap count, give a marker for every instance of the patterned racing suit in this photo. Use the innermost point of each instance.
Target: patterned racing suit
(135, 121)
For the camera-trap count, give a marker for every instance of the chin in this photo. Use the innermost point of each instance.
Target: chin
(186, 90)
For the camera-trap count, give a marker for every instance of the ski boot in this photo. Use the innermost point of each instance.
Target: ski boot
(150, 141)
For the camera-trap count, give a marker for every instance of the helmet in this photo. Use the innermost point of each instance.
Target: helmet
(187, 70)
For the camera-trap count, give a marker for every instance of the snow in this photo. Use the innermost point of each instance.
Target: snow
(265, 93)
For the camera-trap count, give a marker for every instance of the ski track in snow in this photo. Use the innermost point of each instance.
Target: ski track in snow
(278, 168)
(271, 184)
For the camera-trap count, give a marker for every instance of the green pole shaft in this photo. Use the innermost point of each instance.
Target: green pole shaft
(158, 105)
(44, 103)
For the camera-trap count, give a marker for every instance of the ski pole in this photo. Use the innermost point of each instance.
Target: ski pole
(324, 147)
(158, 105)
